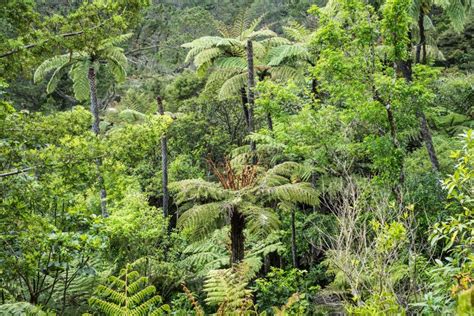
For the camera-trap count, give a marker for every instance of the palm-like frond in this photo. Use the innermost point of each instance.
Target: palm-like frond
(203, 218)
(284, 73)
(237, 63)
(197, 190)
(117, 69)
(250, 28)
(56, 77)
(207, 56)
(275, 41)
(457, 11)
(79, 75)
(280, 54)
(208, 254)
(296, 32)
(296, 193)
(263, 33)
(50, 64)
(233, 86)
(261, 221)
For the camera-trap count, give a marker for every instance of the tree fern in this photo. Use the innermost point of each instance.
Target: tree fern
(241, 192)
(79, 64)
(128, 294)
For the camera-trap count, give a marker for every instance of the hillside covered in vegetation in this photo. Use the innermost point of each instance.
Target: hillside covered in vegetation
(250, 157)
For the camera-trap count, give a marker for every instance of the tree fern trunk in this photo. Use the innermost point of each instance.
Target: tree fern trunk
(426, 133)
(420, 53)
(294, 255)
(237, 238)
(251, 97)
(95, 128)
(269, 121)
(164, 161)
(245, 108)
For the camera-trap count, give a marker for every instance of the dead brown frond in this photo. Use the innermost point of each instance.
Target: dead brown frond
(231, 179)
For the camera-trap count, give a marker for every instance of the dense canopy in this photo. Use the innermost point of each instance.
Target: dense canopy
(246, 157)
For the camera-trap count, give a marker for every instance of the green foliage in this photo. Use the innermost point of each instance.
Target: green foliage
(453, 273)
(395, 26)
(279, 285)
(128, 294)
(338, 142)
(22, 308)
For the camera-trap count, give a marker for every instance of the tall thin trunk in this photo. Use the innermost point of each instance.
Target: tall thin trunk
(420, 53)
(294, 255)
(424, 128)
(245, 108)
(95, 128)
(269, 121)
(251, 97)
(426, 134)
(164, 161)
(94, 103)
(313, 183)
(237, 238)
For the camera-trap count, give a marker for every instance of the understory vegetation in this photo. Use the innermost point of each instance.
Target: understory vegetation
(236, 157)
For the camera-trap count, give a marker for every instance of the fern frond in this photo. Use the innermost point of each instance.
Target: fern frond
(295, 192)
(232, 86)
(203, 218)
(50, 64)
(275, 41)
(117, 69)
(237, 63)
(252, 26)
(196, 190)
(116, 297)
(259, 50)
(141, 295)
(56, 77)
(260, 221)
(284, 53)
(107, 307)
(79, 76)
(126, 297)
(284, 73)
(207, 56)
(296, 32)
(137, 284)
(21, 309)
(261, 33)
(226, 288)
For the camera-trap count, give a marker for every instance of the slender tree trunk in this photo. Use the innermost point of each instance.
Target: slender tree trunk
(420, 53)
(251, 97)
(313, 183)
(95, 128)
(164, 161)
(245, 108)
(424, 128)
(269, 121)
(94, 103)
(294, 255)
(237, 238)
(426, 134)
